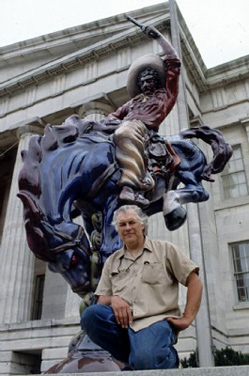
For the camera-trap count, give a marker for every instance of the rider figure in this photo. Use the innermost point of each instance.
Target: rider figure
(153, 86)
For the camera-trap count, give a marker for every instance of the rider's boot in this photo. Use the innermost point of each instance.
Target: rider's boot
(131, 197)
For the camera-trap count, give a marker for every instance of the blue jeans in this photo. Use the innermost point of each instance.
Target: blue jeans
(149, 348)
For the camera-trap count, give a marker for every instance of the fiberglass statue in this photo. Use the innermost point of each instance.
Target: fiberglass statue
(94, 167)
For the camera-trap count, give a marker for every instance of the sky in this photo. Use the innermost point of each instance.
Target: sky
(220, 28)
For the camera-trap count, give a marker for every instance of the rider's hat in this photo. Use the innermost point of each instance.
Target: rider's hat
(142, 63)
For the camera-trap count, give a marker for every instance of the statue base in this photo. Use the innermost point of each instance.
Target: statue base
(85, 356)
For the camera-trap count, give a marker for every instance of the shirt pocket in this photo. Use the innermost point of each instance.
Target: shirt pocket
(153, 273)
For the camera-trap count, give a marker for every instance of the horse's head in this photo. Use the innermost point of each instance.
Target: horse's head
(74, 266)
(64, 246)
(65, 166)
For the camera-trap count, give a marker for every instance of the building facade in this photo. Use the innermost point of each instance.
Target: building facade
(82, 70)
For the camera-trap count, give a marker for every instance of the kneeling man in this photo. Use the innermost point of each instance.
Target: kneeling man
(137, 318)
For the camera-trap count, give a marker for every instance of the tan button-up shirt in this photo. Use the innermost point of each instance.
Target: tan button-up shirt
(148, 283)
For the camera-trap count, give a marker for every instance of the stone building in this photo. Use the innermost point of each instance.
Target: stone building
(83, 70)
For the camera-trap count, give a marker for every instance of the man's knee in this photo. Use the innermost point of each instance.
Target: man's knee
(90, 315)
(95, 315)
(86, 317)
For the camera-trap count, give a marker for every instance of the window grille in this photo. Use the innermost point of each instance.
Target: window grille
(234, 177)
(38, 297)
(240, 253)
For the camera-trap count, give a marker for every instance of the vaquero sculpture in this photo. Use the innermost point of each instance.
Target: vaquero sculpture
(90, 168)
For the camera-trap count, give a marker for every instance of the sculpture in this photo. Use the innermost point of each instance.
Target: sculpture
(75, 169)
(82, 168)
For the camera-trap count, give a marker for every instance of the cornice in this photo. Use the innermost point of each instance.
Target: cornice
(197, 74)
(76, 60)
(118, 37)
(208, 79)
(65, 64)
(88, 31)
(220, 76)
(224, 74)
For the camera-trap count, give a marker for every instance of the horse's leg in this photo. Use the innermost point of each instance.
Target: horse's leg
(111, 240)
(174, 213)
(189, 173)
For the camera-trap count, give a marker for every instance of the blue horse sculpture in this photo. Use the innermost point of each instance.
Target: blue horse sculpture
(72, 171)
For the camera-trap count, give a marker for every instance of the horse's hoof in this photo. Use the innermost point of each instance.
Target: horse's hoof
(175, 219)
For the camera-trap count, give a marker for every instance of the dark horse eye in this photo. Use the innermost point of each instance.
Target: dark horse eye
(74, 260)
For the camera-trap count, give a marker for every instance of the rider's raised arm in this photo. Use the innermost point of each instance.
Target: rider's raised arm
(171, 62)
(167, 48)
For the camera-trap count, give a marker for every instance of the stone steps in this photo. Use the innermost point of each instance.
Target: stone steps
(212, 371)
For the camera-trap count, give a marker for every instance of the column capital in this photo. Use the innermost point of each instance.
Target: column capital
(101, 107)
(23, 132)
(196, 121)
(30, 126)
(97, 104)
(245, 123)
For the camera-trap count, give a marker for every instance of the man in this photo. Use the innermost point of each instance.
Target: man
(153, 86)
(137, 317)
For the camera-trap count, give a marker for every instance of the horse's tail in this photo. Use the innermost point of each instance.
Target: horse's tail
(222, 151)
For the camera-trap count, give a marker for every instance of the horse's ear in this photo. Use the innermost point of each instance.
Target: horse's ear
(36, 239)
(49, 141)
(29, 175)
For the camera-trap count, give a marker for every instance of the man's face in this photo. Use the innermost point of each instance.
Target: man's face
(130, 228)
(147, 84)
(149, 81)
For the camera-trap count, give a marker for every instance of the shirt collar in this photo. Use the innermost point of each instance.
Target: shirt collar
(147, 246)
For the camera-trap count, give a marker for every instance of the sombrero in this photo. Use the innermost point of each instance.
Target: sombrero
(147, 61)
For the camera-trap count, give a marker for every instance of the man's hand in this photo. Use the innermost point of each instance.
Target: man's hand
(151, 31)
(179, 323)
(122, 311)
(194, 294)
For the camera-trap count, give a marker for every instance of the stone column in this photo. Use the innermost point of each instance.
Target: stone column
(203, 324)
(245, 122)
(16, 267)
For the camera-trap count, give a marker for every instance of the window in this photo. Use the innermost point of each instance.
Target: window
(233, 176)
(240, 252)
(38, 297)
(26, 362)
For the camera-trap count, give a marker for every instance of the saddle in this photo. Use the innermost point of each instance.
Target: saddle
(162, 158)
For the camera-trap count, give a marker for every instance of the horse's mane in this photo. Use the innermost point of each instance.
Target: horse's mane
(48, 165)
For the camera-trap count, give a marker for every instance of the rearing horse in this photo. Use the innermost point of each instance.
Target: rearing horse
(72, 171)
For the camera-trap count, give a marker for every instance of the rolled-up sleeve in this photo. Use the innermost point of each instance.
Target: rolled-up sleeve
(179, 265)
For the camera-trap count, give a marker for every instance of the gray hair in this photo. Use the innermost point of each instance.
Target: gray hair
(142, 217)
